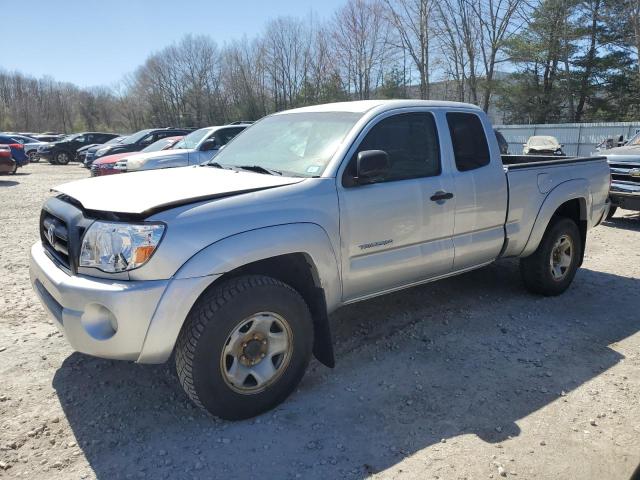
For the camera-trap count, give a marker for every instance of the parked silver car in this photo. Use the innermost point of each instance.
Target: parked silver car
(236, 265)
(198, 147)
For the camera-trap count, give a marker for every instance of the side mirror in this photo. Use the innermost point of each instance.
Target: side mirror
(372, 166)
(210, 144)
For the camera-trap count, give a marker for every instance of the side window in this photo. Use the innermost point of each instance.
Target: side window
(148, 140)
(91, 138)
(470, 146)
(226, 135)
(410, 140)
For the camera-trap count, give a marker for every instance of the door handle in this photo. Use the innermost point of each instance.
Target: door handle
(440, 196)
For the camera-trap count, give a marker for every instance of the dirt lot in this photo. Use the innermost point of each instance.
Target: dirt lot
(467, 378)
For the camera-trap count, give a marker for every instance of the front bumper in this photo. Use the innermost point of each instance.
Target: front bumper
(99, 317)
(625, 195)
(123, 320)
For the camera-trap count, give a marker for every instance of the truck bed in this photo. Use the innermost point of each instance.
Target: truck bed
(531, 179)
(524, 161)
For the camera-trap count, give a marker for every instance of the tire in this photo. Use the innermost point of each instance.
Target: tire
(223, 317)
(612, 212)
(543, 272)
(62, 158)
(33, 157)
(15, 169)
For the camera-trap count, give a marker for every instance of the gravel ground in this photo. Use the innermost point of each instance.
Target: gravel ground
(467, 378)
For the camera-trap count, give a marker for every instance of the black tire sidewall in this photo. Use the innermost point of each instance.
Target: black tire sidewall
(214, 394)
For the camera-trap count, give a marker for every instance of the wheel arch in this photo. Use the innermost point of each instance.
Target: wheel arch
(571, 200)
(273, 251)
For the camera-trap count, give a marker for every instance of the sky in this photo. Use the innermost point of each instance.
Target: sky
(92, 42)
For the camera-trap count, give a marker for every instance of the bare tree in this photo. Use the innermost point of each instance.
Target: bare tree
(412, 21)
(498, 20)
(360, 43)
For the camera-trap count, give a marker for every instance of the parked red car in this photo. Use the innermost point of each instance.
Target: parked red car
(105, 165)
(7, 164)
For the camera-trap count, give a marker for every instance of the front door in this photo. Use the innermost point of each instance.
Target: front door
(398, 231)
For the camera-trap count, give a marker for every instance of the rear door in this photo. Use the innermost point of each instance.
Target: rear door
(481, 191)
(396, 232)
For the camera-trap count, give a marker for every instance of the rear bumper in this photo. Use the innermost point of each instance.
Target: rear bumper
(7, 165)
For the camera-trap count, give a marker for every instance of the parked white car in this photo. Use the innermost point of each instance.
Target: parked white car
(542, 145)
(196, 148)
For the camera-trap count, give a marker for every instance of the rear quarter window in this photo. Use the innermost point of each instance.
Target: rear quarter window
(469, 141)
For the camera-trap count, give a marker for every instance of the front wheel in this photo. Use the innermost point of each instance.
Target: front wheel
(33, 157)
(244, 347)
(551, 268)
(62, 158)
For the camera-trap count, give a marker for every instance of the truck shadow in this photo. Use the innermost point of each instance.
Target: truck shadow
(8, 183)
(469, 355)
(628, 222)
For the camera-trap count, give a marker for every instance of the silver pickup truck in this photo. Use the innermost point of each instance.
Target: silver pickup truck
(234, 266)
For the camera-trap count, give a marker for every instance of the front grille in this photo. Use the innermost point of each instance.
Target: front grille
(55, 236)
(62, 225)
(625, 172)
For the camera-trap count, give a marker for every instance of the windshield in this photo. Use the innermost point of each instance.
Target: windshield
(192, 140)
(543, 141)
(158, 145)
(294, 143)
(135, 137)
(635, 140)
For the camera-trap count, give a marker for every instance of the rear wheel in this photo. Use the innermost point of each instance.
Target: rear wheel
(33, 157)
(551, 268)
(62, 158)
(244, 347)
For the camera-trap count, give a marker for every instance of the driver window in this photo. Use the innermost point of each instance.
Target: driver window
(410, 140)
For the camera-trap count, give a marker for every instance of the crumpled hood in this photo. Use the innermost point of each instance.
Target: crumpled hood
(624, 150)
(142, 193)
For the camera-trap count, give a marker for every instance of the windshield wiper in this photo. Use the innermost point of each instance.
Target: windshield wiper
(260, 169)
(213, 164)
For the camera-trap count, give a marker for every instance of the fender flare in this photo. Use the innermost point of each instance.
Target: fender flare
(229, 253)
(577, 189)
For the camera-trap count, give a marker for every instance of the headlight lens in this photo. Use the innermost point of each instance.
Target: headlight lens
(119, 247)
(102, 151)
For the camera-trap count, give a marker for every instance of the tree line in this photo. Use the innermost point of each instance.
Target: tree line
(524, 61)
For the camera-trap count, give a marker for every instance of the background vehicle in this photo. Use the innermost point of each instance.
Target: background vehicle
(502, 142)
(63, 151)
(625, 175)
(86, 155)
(140, 140)
(49, 137)
(17, 151)
(7, 163)
(106, 165)
(30, 146)
(235, 265)
(542, 145)
(196, 148)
